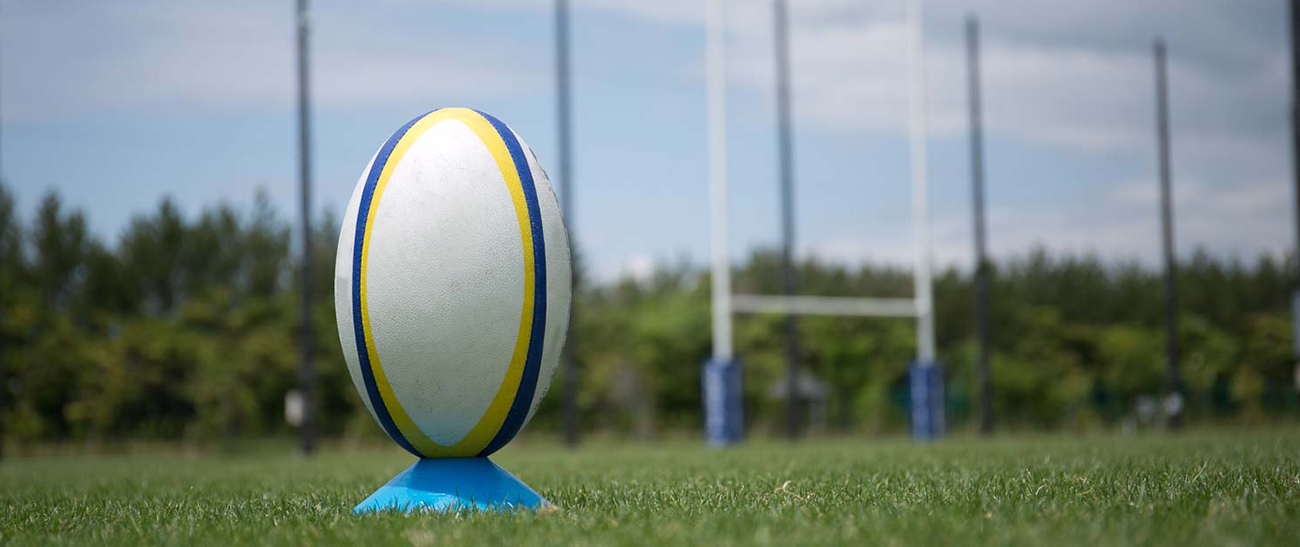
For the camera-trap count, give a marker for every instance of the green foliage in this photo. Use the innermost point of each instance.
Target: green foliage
(186, 327)
(183, 329)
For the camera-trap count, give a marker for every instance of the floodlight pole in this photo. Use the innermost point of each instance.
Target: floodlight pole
(785, 152)
(982, 372)
(1295, 155)
(4, 379)
(306, 376)
(563, 107)
(1174, 382)
(1, 180)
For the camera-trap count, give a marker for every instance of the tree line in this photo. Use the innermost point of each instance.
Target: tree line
(185, 327)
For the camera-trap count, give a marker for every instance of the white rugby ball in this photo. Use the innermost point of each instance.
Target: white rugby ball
(452, 284)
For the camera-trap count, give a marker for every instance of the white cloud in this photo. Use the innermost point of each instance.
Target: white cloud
(1072, 77)
(1086, 85)
(639, 267)
(233, 55)
(1120, 220)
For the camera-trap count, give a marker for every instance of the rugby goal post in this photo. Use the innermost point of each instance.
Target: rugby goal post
(722, 373)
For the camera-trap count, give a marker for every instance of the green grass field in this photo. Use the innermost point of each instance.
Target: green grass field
(1212, 488)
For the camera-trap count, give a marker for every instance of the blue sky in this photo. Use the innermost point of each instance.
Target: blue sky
(115, 104)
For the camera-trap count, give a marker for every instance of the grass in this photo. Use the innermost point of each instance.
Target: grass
(1203, 488)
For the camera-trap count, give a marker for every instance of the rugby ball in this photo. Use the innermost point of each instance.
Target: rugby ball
(452, 284)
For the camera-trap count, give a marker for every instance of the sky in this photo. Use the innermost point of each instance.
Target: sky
(117, 104)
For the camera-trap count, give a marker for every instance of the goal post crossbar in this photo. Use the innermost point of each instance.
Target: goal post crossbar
(824, 305)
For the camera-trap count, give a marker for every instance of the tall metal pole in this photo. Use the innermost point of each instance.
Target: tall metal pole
(566, 204)
(1, 180)
(718, 190)
(4, 379)
(785, 152)
(982, 373)
(306, 376)
(920, 187)
(1295, 143)
(1174, 381)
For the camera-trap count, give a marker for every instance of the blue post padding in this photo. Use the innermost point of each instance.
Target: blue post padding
(449, 484)
(927, 401)
(723, 406)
